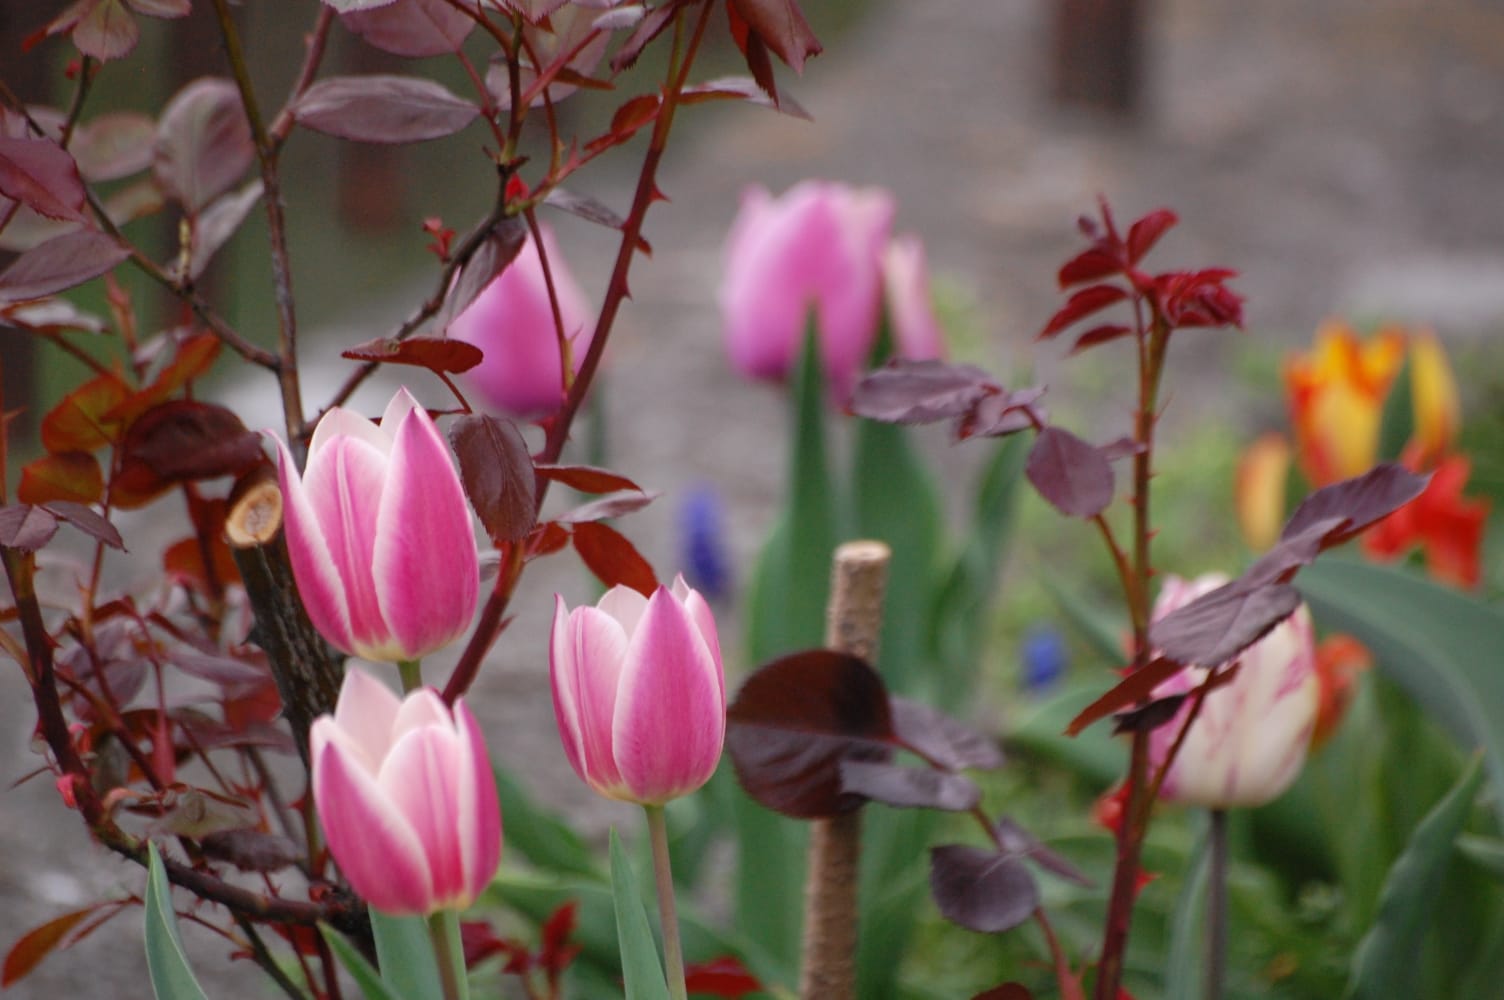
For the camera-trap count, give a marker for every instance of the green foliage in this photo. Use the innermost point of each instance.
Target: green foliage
(166, 962)
(404, 953)
(362, 971)
(642, 973)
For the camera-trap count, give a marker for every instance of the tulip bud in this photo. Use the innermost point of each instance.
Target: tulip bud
(406, 797)
(512, 321)
(1337, 395)
(818, 248)
(911, 311)
(1249, 740)
(379, 534)
(639, 693)
(1259, 490)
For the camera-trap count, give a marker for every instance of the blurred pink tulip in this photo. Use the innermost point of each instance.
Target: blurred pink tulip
(911, 314)
(513, 323)
(818, 247)
(1249, 741)
(406, 797)
(380, 535)
(639, 693)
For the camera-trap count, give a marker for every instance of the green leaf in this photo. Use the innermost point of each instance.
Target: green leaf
(1397, 423)
(1183, 963)
(404, 951)
(362, 971)
(1092, 754)
(959, 609)
(1385, 963)
(1438, 644)
(1093, 624)
(166, 962)
(641, 971)
(539, 835)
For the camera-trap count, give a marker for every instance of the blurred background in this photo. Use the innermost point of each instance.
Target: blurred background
(1344, 157)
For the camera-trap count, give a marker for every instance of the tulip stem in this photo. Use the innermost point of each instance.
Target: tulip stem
(443, 931)
(673, 955)
(411, 672)
(1215, 969)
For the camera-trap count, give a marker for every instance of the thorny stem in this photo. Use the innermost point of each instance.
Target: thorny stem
(616, 291)
(266, 154)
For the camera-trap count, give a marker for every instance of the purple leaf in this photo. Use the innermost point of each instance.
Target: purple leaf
(237, 677)
(921, 392)
(251, 850)
(1131, 690)
(499, 249)
(438, 354)
(981, 890)
(497, 472)
(743, 88)
(161, 8)
(87, 520)
(999, 415)
(383, 108)
(611, 505)
(796, 720)
(941, 740)
(42, 176)
(214, 226)
(60, 263)
(909, 787)
(204, 143)
(591, 210)
(1361, 500)
(114, 145)
(1072, 475)
(1016, 840)
(106, 30)
(25, 527)
(414, 28)
(1217, 626)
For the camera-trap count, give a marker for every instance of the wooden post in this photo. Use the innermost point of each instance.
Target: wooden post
(852, 625)
(308, 672)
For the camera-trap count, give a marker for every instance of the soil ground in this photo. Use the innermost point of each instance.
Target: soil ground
(1344, 156)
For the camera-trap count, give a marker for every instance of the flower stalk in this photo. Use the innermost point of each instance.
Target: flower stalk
(673, 952)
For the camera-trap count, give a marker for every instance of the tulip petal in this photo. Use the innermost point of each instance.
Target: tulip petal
(344, 483)
(670, 715)
(340, 422)
(318, 575)
(588, 650)
(424, 559)
(704, 620)
(478, 808)
(366, 715)
(374, 845)
(422, 778)
(625, 605)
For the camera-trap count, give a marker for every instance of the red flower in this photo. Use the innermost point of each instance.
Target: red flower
(1445, 524)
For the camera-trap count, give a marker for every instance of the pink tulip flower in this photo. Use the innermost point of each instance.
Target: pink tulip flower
(911, 313)
(406, 797)
(639, 693)
(513, 323)
(818, 247)
(1249, 741)
(380, 535)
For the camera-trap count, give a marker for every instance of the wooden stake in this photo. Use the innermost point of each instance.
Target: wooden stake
(307, 670)
(852, 625)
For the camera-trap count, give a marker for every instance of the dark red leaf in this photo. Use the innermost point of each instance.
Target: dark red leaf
(591, 210)
(909, 787)
(479, 941)
(106, 30)
(85, 519)
(1089, 300)
(437, 354)
(236, 677)
(781, 26)
(613, 559)
(113, 145)
(1000, 415)
(794, 722)
(1147, 718)
(608, 506)
(218, 222)
(1089, 265)
(379, 107)
(941, 740)
(1100, 335)
(25, 527)
(1131, 690)
(204, 143)
(633, 115)
(183, 440)
(60, 263)
(650, 27)
(497, 473)
(586, 478)
(1360, 501)
(414, 28)
(1144, 233)
(554, 950)
(754, 53)
(723, 977)
(547, 539)
(921, 392)
(742, 88)
(81, 420)
(1073, 476)
(41, 175)
(981, 890)
(499, 249)
(1215, 627)
(251, 850)
(1016, 840)
(39, 942)
(68, 475)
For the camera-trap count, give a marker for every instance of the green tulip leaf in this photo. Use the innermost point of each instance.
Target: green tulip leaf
(166, 962)
(404, 952)
(641, 971)
(1183, 963)
(1385, 963)
(540, 836)
(362, 971)
(1441, 646)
